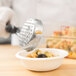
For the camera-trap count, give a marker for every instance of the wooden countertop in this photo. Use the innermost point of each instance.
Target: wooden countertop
(11, 66)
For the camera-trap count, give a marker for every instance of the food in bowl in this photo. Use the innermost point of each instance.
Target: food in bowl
(41, 54)
(64, 39)
(42, 64)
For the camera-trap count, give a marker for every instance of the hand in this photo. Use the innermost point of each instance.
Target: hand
(6, 15)
(11, 29)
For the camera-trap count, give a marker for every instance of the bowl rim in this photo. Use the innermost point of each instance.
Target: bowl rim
(52, 58)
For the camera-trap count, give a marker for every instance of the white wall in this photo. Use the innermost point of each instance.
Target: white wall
(51, 12)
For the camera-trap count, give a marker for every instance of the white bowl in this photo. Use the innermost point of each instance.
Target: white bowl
(42, 64)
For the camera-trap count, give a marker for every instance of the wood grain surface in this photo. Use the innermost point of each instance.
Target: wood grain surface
(11, 66)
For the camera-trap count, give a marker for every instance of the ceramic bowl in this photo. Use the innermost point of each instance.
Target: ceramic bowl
(42, 64)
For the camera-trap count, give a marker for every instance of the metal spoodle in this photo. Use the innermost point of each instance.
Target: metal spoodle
(29, 35)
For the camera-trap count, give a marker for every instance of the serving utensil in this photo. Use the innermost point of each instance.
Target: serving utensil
(30, 34)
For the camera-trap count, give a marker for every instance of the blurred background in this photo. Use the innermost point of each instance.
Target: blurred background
(53, 13)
